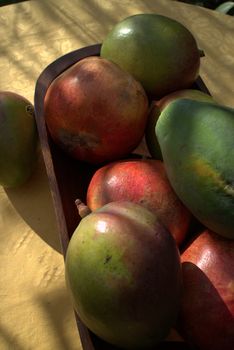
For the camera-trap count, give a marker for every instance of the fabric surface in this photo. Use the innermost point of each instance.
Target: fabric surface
(35, 308)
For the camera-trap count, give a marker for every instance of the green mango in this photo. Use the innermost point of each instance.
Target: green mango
(158, 51)
(197, 143)
(156, 109)
(18, 139)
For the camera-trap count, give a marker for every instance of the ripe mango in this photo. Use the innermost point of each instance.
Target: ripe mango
(123, 274)
(95, 111)
(197, 143)
(18, 139)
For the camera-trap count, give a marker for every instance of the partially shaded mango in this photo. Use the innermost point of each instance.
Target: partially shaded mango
(197, 144)
(158, 106)
(124, 276)
(18, 139)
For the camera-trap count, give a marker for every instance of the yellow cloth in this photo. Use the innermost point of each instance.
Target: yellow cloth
(35, 309)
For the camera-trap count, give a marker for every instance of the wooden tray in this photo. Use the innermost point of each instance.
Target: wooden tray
(69, 178)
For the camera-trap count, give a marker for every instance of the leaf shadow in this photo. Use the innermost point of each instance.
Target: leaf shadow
(10, 340)
(54, 304)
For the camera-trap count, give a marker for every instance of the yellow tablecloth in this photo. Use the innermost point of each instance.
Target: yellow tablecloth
(35, 310)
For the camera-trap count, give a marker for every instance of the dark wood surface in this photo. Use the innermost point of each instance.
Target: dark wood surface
(69, 178)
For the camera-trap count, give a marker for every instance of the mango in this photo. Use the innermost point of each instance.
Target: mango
(141, 181)
(158, 51)
(18, 139)
(197, 143)
(95, 111)
(123, 274)
(155, 110)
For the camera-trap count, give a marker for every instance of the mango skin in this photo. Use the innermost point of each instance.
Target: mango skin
(123, 272)
(156, 109)
(159, 52)
(18, 139)
(197, 144)
(95, 111)
(141, 181)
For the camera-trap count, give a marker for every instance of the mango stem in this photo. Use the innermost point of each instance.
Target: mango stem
(83, 209)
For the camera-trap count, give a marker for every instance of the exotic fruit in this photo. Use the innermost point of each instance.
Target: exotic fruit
(124, 274)
(156, 109)
(144, 182)
(95, 111)
(158, 51)
(207, 313)
(197, 144)
(191, 94)
(18, 139)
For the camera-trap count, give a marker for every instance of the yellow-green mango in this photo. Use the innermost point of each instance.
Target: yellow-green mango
(18, 139)
(158, 51)
(197, 143)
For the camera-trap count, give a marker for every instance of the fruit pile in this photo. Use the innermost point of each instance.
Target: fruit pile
(154, 250)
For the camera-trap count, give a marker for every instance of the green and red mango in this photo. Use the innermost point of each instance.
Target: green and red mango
(124, 274)
(95, 111)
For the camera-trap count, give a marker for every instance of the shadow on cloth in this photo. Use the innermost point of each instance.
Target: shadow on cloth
(33, 202)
